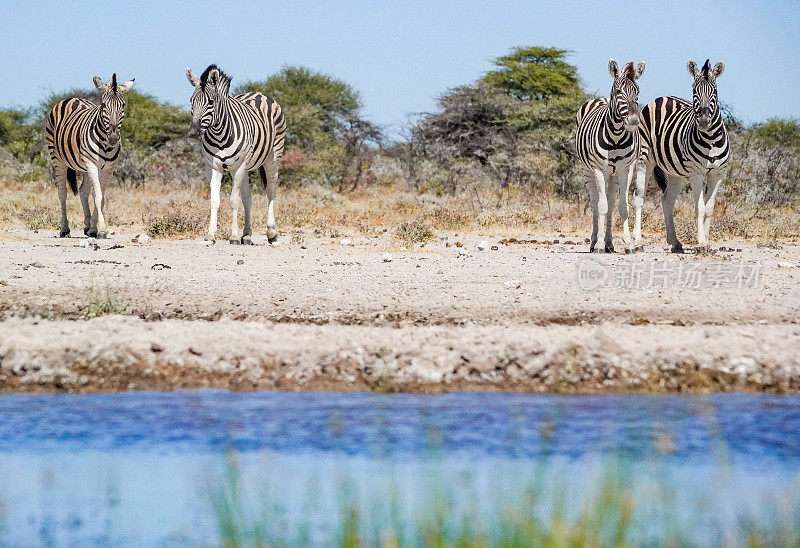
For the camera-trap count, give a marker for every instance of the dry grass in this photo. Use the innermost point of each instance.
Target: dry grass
(172, 211)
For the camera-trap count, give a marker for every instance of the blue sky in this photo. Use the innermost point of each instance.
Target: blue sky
(400, 55)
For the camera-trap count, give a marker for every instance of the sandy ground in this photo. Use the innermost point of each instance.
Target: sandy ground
(317, 313)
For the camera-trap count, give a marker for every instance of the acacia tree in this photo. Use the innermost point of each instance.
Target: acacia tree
(516, 122)
(535, 73)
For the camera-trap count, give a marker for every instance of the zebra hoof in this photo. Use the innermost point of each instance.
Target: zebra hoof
(246, 240)
(210, 238)
(85, 231)
(92, 234)
(629, 250)
(64, 234)
(102, 235)
(609, 248)
(638, 249)
(677, 248)
(272, 235)
(234, 241)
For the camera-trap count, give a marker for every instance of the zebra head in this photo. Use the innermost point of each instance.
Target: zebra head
(704, 91)
(624, 104)
(209, 91)
(112, 106)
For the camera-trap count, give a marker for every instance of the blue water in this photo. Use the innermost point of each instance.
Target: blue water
(138, 468)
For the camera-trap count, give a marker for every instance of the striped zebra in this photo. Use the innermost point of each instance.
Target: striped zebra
(607, 141)
(684, 140)
(84, 137)
(242, 133)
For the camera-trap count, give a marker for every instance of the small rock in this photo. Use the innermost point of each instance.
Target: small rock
(240, 262)
(785, 265)
(387, 258)
(459, 244)
(494, 248)
(482, 245)
(140, 239)
(512, 284)
(204, 242)
(156, 348)
(462, 253)
(346, 241)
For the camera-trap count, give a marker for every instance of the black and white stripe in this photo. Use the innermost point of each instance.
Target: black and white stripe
(242, 133)
(607, 142)
(682, 141)
(84, 137)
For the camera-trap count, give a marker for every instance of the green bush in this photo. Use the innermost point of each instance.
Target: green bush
(328, 141)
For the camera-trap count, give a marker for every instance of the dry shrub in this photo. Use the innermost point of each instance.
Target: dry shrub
(413, 232)
(182, 218)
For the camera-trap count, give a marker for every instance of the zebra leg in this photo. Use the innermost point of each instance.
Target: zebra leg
(611, 193)
(216, 184)
(85, 191)
(247, 203)
(624, 189)
(236, 203)
(712, 187)
(591, 188)
(640, 172)
(100, 226)
(272, 190)
(668, 205)
(698, 190)
(602, 205)
(60, 175)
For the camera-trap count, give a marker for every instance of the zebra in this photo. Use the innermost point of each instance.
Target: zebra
(240, 133)
(607, 142)
(681, 141)
(85, 137)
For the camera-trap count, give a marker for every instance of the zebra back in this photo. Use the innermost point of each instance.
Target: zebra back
(672, 140)
(272, 113)
(74, 135)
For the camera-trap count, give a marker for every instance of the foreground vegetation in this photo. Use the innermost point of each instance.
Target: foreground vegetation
(534, 510)
(383, 210)
(497, 150)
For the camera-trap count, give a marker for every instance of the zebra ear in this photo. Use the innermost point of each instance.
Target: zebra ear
(127, 85)
(639, 70)
(613, 68)
(192, 77)
(99, 84)
(691, 67)
(719, 68)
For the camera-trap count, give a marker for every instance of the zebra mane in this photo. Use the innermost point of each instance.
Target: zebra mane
(706, 68)
(629, 71)
(207, 72)
(114, 83)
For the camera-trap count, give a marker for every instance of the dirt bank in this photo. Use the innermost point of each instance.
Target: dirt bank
(322, 314)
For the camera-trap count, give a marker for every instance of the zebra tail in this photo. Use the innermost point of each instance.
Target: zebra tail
(661, 177)
(72, 179)
(263, 174)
